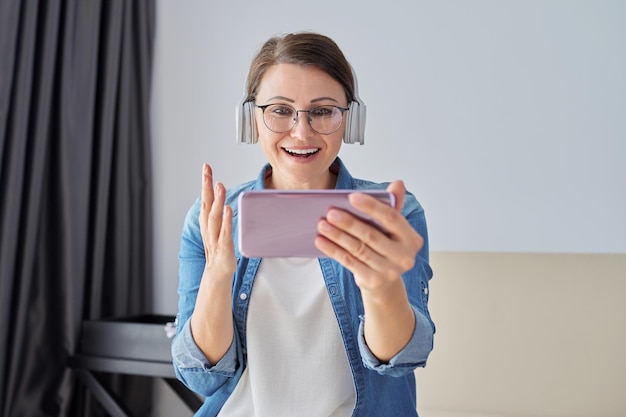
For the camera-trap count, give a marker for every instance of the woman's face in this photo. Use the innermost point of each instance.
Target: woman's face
(300, 157)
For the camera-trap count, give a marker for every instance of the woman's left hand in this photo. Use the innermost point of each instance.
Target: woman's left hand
(377, 262)
(375, 259)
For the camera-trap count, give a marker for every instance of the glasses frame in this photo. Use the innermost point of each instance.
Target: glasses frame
(295, 119)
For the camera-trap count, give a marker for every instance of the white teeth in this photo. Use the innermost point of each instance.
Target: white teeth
(302, 151)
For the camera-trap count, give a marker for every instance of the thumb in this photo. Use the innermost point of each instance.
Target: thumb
(398, 190)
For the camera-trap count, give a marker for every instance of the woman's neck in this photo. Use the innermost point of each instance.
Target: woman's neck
(327, 183)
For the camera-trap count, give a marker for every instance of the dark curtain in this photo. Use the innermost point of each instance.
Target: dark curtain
(75, 188)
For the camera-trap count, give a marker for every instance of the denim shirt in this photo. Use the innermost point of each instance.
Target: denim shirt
(382, 389)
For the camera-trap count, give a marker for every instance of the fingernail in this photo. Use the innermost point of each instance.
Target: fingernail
(357, 198)
(322, 226)
(334, 215)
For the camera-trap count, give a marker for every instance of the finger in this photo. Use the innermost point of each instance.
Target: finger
(216, 212)
(347, 248)
(352, 233)
(206, 199)
(398, 249)
(366, 276)
(206, 195)
(226, 232)
(389, 217)
(333, 250)
(398, 190)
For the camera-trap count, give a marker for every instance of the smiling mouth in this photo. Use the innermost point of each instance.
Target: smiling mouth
(302, 153)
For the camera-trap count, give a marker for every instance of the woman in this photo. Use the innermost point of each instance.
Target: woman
(335, 336)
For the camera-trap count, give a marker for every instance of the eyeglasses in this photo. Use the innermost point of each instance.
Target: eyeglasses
(281, 118)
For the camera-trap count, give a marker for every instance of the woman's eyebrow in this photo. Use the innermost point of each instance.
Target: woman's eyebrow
(281, 98)
(315, 100)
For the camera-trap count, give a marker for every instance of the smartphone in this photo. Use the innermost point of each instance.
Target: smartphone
(283, 223)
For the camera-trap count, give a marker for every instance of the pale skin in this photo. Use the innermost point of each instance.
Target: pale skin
(376, 260)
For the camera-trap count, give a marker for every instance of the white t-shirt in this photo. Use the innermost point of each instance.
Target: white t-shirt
(297, 363)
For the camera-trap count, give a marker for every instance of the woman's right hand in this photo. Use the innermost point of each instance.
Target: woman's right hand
(216, 228)
(211, 320)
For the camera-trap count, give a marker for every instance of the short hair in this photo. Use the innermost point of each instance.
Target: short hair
(304, 49)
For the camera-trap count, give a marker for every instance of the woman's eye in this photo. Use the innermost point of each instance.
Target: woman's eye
(322, 111)
(281, 111)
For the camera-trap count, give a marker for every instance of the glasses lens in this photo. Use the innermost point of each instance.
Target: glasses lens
(325, 119)
(279, 117)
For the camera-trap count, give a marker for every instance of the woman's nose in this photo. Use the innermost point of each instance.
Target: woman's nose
(302, 128)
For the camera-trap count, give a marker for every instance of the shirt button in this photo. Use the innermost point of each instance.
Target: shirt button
(243, 296)
(426, 291)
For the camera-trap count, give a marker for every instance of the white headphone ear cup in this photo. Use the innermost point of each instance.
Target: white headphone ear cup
(355, 123)
(347, 134)
(246, 123)
(361, 124)
(251, 120)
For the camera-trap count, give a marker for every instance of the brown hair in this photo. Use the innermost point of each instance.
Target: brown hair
(305, 49)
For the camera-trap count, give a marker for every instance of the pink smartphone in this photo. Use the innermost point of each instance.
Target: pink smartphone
(283, 223)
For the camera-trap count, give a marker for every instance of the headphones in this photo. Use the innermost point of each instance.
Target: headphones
(355, 120)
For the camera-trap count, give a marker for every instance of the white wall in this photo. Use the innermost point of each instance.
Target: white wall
(505, 118)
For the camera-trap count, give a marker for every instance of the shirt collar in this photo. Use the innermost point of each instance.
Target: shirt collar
(344, 179)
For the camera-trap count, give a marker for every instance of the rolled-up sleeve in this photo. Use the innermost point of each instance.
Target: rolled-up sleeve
(194, 370)
(412, 356)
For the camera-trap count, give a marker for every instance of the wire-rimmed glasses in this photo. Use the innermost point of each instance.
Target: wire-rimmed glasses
(281, 118)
